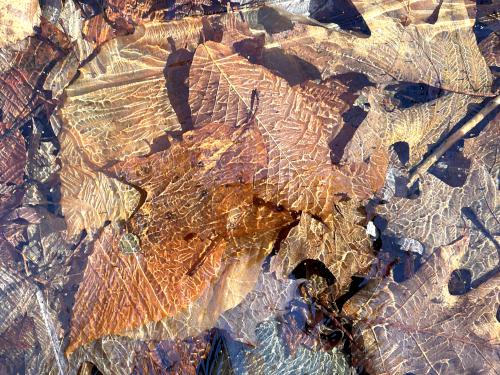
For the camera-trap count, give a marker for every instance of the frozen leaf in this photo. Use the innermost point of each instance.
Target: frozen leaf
(12, 162)
(268, 299)
(115, 110)
(17, 20)
(341, 244)
(119, 105)
(490, 49)
(418, 327)
(298, 174)
(241, 265)
(485, 148)
(120, 17)
(125, 356)
(22, 69)
(66, 69)
(298, 7)
(88, 197)
(199, 199)
(270, 356)
(443, 53)
(25, 308)
(420, 126)
(438, 215)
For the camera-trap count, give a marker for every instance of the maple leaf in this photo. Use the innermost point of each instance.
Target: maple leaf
(199, 197)
(417, 326)
(443, 54)
(17, 20)
(298, 175)
(341, 244)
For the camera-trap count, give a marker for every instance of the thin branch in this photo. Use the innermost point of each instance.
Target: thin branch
(51, 332)
(452, 139)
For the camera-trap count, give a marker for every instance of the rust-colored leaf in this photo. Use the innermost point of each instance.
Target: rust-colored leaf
(200, 197)
(298, 174)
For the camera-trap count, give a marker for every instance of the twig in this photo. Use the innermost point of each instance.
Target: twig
(452, 139)
(51, 332)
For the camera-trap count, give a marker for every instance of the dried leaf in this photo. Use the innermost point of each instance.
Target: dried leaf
(268, 299)
(119, 105)
(421, 126)
(485, 148)
(341, 244)
(241, 265)
(116, 109)
(199, 197)
(417, 326)
(271, 356)
(298, 174)
(17, 20)
(490, 50)
(438, 215)
(23, 301)
(89, 198)
(12, 162)
(442, 54)
(125, 356)
(22, 71)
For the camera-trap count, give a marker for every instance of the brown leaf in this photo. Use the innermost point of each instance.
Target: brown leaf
(268, 299)
(420, 126)
(12, 162)
(120, 104)
(417, 326)
(490, 49)
(443, 54)
(298, 175)
(88, 197)
(120, 17)
(199, 197)
(238, 278)
(341, 244)
(115, 110)
(17, 20)
(485, 148)
(438, 215)
(22, 71)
